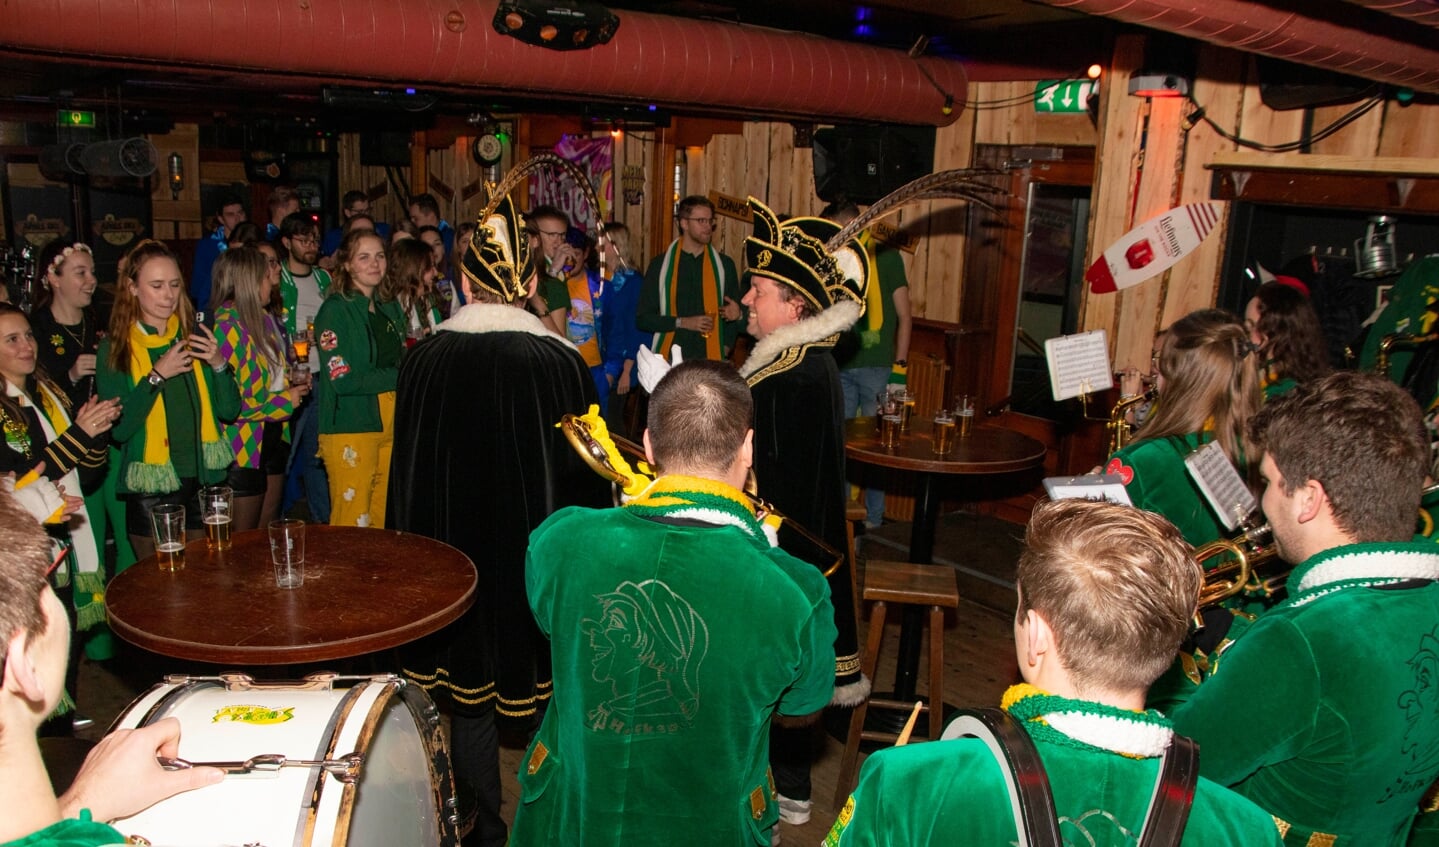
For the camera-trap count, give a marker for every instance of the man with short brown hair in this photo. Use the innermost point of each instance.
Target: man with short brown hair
(1334, 688)
(677, 632)
(691, 290)
(1105, 596)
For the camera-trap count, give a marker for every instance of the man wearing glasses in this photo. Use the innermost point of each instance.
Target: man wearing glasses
(550, 300)
(690, 288)
(302, 290)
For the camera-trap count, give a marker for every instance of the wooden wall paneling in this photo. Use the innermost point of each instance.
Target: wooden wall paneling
(801, 181)
(1115, 160)
(453, 171)
(419, 164)
(177, 217)
(1409, 130)
(1359, 138)
(936, 269)
(347, 164)
(1258, 122)
(1219, 86)
(1140, 307)
(633, 149)
(660, 202)
(1019, 123)
(778, 191)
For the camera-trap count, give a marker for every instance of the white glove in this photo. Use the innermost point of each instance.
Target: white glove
(38, 495)
(652, 367)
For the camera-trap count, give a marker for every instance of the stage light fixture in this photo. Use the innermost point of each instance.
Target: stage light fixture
(1144, 84)
(556, 24)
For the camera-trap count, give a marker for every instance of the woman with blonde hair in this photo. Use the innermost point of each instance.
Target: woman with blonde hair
(252, 344)
(361, 339)
(175, 387)
(1208, 388)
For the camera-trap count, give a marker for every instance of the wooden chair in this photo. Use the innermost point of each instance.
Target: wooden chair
(901, 583)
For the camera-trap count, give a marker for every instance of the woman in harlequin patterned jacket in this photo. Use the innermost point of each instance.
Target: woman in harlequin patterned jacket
(361, 340)
(1208, 387)
(250, 339)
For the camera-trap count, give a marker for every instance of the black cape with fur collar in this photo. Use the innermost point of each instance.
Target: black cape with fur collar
(478, 463)
(799, 459)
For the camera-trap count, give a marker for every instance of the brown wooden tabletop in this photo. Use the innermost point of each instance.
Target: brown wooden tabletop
(986, 450)
(378, 589)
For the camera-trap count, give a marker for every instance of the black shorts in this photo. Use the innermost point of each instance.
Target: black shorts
(138, 506)
(274, 457)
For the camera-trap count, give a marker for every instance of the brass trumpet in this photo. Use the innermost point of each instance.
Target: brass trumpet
(1249, 553)
(1121, 430)
(605, 453)
(1402, 341)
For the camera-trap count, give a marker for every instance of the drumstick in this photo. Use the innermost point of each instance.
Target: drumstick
(909, 724)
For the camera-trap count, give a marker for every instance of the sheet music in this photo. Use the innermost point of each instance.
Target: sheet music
(1109, 487)
(1221, 484)
(1079, 364)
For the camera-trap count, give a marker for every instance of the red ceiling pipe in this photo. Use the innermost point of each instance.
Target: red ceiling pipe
(672, 62)
(1420, 11)
(1284, 35)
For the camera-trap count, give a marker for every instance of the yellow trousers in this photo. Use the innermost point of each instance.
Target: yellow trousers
(358, 464)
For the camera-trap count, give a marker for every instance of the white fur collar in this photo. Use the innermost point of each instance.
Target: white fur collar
(494, 317)
(837, 318)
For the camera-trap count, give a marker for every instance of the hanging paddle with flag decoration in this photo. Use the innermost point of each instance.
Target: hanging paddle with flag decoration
(1152, 247)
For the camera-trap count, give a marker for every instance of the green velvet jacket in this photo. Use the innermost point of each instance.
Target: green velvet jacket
(1157, 481)
(674, 641)
(72, 832)
(1325, 711)
(349, 381)
(953, 793)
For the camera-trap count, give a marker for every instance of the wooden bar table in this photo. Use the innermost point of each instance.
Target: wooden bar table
(986, 452)
(377, 589)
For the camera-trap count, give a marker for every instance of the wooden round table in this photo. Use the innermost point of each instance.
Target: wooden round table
(378, 589)
(987, 451)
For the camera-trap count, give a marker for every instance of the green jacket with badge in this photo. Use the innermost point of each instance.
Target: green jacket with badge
(1157, 480)
(349, 380)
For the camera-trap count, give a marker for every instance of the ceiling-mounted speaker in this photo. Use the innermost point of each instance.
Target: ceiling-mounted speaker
(863, 163)
(1284, 85)
(62, 161)
(126, 157)
(556, 24)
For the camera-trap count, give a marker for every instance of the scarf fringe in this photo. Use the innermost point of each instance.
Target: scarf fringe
(217, 455)
(147, 478)
(89, 599)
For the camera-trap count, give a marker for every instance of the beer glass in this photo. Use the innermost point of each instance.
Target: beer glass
(941, 435)
(287, 552)
(906, 408)
(964, 411)
(216, 511)
(168, 522)
(890, 412)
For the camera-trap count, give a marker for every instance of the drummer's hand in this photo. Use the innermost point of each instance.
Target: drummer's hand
(121, 777)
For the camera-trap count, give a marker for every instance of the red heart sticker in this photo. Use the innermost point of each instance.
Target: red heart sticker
(1126, 473)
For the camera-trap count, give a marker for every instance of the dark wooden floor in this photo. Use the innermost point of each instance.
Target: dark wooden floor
(978, 644)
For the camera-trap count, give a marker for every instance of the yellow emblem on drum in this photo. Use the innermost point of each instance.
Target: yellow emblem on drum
(253, 714)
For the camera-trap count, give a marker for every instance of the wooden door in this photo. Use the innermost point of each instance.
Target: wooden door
(1025, 280)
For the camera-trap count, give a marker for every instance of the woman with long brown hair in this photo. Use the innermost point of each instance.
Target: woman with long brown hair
(410, 282)
(254, 347)
(176, 388)
(1284, 327)
(361, 339)
(1208, 388)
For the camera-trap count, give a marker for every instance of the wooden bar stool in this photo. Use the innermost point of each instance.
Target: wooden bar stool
(902, 583)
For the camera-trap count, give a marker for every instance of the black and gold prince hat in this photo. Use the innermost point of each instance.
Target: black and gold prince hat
(797, 253)
(500, 260)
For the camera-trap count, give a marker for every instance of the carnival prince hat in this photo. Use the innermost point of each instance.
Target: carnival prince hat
(796, 254)
(500, 260)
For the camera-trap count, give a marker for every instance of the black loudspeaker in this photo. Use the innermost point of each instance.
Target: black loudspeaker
(864, 163)
(1283, 85)
(385, 149)
(556, 24)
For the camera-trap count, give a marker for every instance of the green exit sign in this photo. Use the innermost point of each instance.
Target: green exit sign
(1070, 95)
(75, 117)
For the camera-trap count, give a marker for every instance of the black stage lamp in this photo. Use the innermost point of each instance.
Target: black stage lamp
(556, 24)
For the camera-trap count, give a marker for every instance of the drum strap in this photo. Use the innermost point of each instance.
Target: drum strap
(1173, 795)
(1035, 818)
